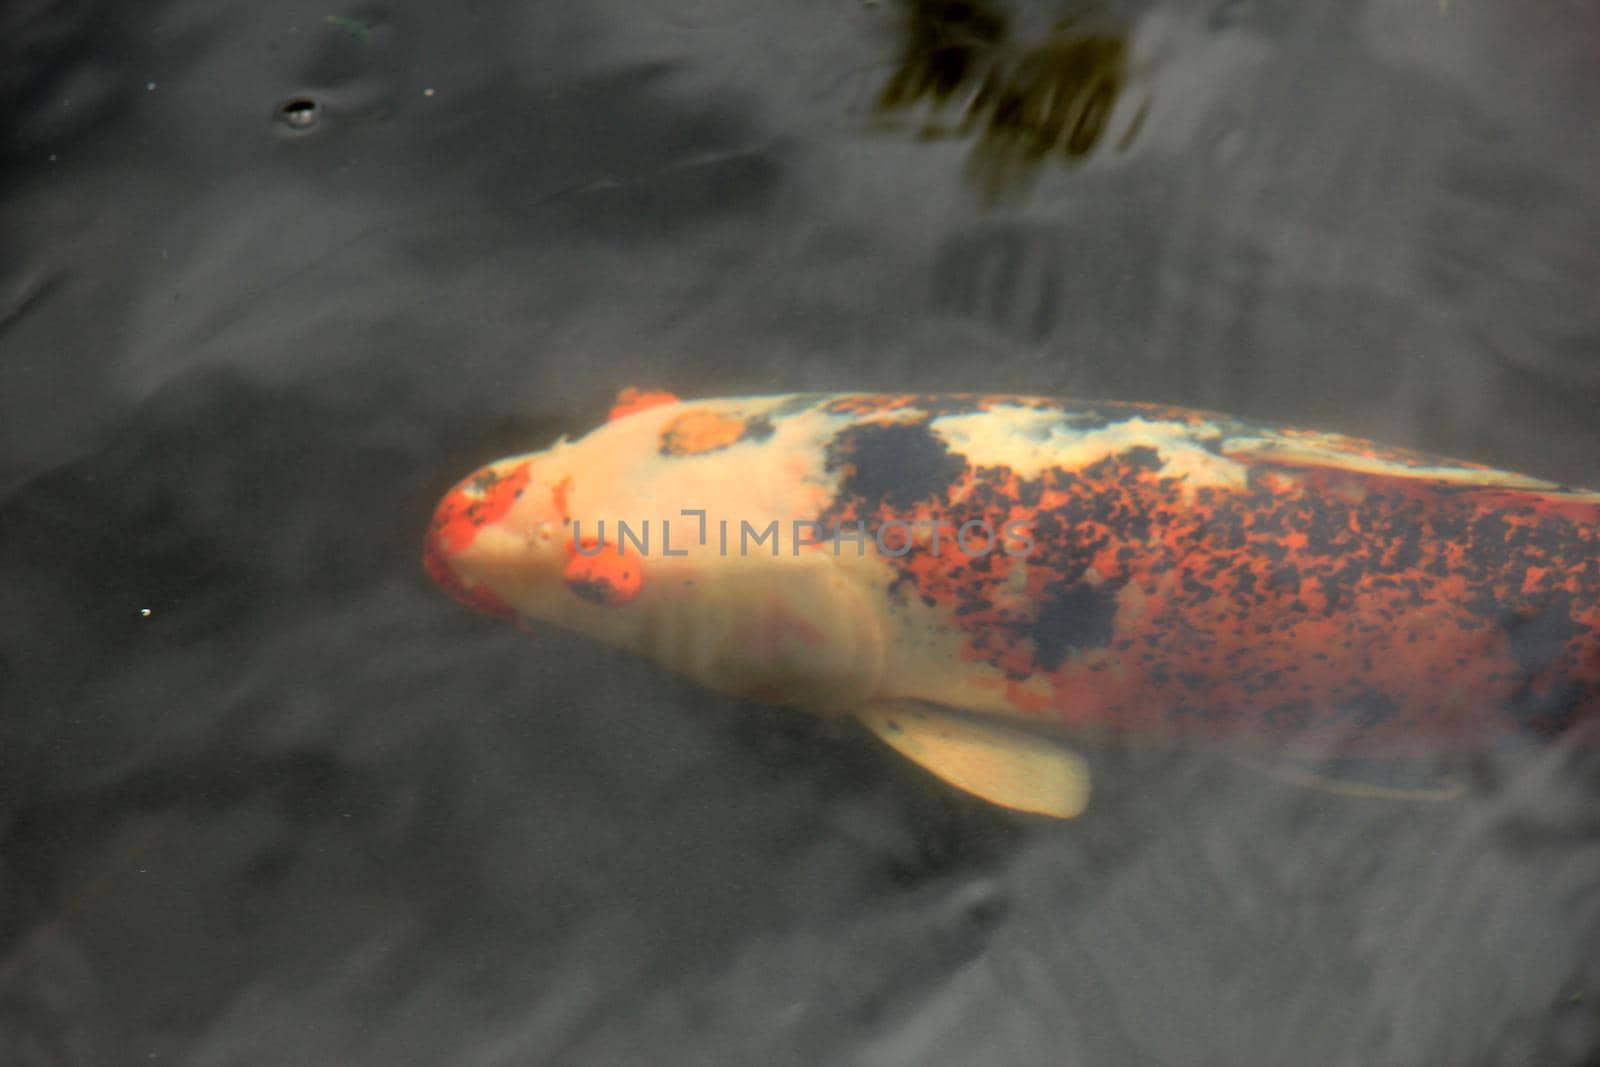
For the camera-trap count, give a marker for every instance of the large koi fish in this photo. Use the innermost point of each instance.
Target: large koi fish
(977, 577)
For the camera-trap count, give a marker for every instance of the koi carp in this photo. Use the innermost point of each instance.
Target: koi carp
(977, 577)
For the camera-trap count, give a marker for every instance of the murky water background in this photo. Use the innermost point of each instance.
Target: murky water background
(268, 798)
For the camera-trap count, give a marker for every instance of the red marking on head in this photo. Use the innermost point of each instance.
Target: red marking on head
(482, 499)
(605, 578)
(631, 401)
(478, 501)
(558, 497)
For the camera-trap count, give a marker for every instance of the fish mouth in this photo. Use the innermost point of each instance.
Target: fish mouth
(436, 561)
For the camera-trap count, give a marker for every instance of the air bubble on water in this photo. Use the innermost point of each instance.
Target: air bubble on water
(299, 113)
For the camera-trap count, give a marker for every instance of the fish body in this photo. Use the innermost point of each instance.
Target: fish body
(946, 567)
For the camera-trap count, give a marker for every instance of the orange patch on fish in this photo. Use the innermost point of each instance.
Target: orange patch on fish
(482, 499)
(631, 401)
(699, 431)
(605, 578)
(558, 498)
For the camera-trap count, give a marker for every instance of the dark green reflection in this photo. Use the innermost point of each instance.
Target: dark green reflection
(1025, 101)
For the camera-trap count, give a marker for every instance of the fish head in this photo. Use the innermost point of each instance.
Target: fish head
(636, 538)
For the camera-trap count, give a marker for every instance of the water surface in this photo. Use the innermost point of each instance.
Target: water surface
(275, 275)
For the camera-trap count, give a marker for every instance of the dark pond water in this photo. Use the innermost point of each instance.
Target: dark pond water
(273, 275)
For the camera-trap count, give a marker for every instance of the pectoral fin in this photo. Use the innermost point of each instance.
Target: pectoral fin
(1003, 765)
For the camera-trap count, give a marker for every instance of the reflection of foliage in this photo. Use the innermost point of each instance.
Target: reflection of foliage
(359, 30)
(950, 43)
(1026, 103)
